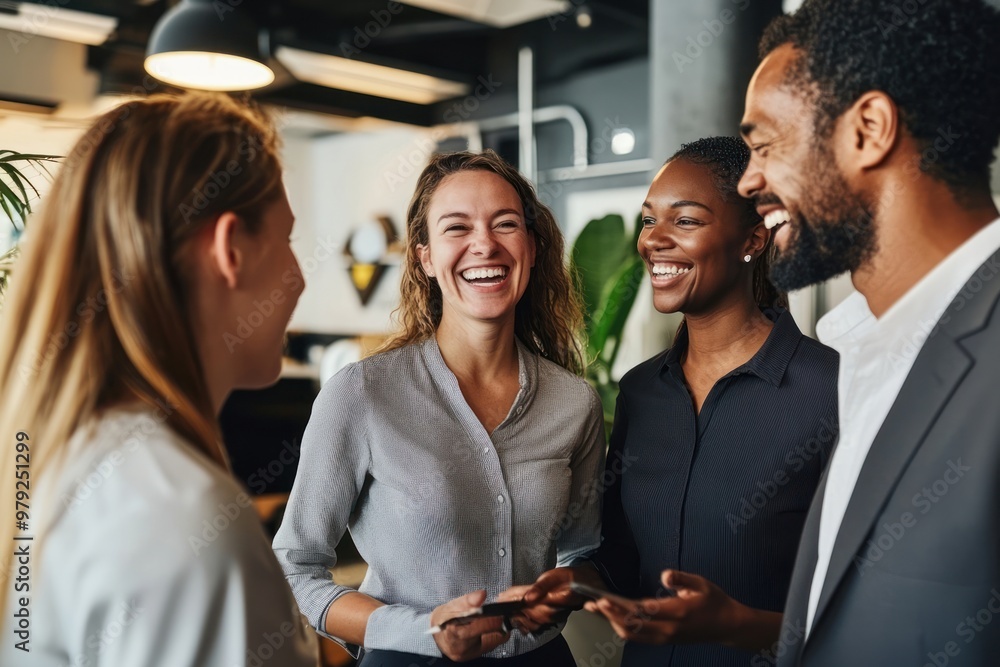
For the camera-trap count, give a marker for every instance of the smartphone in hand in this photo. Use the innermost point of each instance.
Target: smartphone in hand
(595, 593)
(504, 609)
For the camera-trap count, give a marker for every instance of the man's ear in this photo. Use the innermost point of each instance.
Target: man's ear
(424, 253)
(872, 125)
(227, 257)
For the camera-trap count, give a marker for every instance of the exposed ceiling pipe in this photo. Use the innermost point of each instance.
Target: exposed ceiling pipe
(557, 112)
(601, 170)
(525, 108)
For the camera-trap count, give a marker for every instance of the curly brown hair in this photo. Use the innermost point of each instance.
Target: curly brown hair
(548, 319)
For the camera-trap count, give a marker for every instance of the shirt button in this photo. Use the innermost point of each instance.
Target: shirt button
(502, 552)
(486, 450)
(500, 499)
(519, 410)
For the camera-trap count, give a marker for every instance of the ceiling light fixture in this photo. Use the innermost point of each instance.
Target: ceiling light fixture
(368, 78)
(209, 46)
(69, 25)
(499, 13)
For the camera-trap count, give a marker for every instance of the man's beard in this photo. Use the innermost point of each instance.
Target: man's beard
(838, 234)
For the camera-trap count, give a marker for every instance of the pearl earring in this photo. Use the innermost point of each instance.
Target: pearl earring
(747, 258)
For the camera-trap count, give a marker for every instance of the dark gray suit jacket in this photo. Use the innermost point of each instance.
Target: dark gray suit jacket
(914, 578)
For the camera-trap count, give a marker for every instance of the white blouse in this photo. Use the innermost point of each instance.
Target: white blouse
(150, 556)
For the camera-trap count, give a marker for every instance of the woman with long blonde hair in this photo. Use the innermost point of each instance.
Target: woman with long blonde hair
(167, 223)
(463, 457)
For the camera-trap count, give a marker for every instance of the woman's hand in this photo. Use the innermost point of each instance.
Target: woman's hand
(535, 617)
(701, 612)
(550, 599)
(466, 640)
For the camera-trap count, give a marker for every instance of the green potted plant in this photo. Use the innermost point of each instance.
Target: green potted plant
(16, 196)
(609, 272)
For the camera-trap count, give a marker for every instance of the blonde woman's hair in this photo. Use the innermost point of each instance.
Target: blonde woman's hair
(548, 318)
(98, 309)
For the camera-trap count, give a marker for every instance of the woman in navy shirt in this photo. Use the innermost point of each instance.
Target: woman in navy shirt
(718, 442)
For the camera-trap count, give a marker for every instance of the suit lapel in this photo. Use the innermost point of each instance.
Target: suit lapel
(797, 604)
(937, 371)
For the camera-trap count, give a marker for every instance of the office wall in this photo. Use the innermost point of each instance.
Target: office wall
(337, 181)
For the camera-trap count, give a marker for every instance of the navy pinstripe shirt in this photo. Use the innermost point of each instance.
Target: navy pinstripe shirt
(723, 493)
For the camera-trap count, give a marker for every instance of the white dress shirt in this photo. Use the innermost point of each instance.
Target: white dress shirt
(152, 556)
(876, 355)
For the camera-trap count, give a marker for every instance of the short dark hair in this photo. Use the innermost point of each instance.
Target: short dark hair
(727, 158)
(939, 60)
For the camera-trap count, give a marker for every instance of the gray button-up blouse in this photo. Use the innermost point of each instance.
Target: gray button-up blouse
(437, 506)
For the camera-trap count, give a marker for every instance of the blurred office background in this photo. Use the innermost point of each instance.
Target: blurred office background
(587, 97)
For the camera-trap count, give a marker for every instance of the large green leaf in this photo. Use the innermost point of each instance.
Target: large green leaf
(615, 304)
(609, 272)
(597, 254)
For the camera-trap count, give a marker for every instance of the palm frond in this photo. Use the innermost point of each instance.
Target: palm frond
(17, 192)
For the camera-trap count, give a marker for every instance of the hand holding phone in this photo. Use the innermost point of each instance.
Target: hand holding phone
(595, 593)
(478, 634)
(504, 609)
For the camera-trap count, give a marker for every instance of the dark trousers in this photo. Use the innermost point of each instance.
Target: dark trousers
(553, 654)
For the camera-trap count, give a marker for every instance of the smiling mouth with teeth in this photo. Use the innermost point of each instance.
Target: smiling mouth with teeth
(493, 275)
(668, 270)
(775, 218)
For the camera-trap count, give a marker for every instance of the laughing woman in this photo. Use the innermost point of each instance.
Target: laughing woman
(718, 442)
(455, 455)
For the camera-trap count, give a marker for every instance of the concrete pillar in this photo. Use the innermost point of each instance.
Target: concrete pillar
(702, 55)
